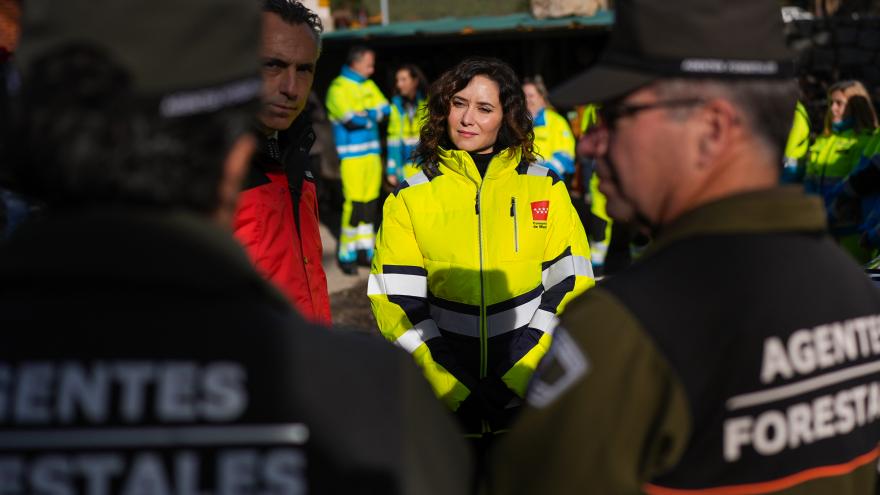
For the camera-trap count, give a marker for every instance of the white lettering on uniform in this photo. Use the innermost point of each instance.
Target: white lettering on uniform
(225, 395)
(147, 477)
(176, 397)
(280, 470)
(283, 472)
(51, 475)
(825, 346)
(770, 433)
(737, 432)
(99, 469)
(134, 377)
(775, 361)
(5, 387)
(803, 357)
(237, 472)
(34, 393)
(822, 417)
(186, 473)
(11, 469)
(799, 425)
(82, 391)
(846, 417)
(826, 416)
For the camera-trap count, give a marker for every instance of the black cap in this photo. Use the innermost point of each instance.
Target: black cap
(653, 39)
(187, 56)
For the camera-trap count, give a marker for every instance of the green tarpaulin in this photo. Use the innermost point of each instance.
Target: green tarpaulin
(472, 25)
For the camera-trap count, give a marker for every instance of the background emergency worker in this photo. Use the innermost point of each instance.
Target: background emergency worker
(700, 369)
(479, 251)
(850, 123)
(554, 142)
(408, 112)
(356, 106)
(795, 155)
(147, 355)
(280, 232)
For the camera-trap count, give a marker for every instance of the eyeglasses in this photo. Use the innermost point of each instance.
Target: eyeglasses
(610, 113)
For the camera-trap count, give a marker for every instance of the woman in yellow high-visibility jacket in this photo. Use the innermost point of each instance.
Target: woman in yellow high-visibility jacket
(479, 251)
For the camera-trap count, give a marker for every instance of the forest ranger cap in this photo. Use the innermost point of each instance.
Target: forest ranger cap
(184, 57)
(654, 39)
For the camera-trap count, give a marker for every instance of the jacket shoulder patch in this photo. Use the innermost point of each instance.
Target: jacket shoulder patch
(563, 366)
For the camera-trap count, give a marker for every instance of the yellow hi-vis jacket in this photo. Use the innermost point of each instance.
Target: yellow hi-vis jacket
(469, 273)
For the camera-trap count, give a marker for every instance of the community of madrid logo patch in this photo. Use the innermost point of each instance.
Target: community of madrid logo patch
(540, 210)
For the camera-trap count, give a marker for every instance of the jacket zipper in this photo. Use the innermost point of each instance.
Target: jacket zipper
(483, 338)
(515, 229)
(483, 331)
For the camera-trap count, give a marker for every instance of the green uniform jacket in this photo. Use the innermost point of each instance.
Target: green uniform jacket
(738, 356)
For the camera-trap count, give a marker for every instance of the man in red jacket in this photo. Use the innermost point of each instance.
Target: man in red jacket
(277, 215)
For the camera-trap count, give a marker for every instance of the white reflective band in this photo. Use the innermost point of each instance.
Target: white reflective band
(419, 178)
(537, 170)
(397, 284)
(349, 232)
(365, 243)
(411, 141)
(395, 142)
(415, 337)
(156, 437)
(544, 321)
(365, 229)
(513, 318)
(564, 268)
(357, 148)
(801, 387)
(557, 166)
(455, 322)
(348, 116)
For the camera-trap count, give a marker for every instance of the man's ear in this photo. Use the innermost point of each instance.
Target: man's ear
(719, 121)
(234, 170)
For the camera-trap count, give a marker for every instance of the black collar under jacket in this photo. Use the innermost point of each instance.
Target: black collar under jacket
(294, 143)
(152, 250)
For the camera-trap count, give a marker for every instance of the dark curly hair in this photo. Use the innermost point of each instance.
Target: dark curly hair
(516, 125)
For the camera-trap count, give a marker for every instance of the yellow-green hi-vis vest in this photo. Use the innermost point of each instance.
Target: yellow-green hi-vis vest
(470, 273)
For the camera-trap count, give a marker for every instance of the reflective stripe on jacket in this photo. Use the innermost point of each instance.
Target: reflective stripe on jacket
(404, 125)
(355, 106)
(469, 273)
(554, 142)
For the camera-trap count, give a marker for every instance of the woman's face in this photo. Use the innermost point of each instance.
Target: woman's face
(406, 84)
(475, 116)
(838, 106)
(534, 101)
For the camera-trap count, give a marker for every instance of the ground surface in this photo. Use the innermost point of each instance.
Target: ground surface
(349, 304)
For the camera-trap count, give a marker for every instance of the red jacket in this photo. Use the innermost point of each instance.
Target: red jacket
(277, 222)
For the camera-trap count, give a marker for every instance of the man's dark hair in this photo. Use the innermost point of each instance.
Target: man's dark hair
(293, 12)
(81, 136)
(355, 53)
